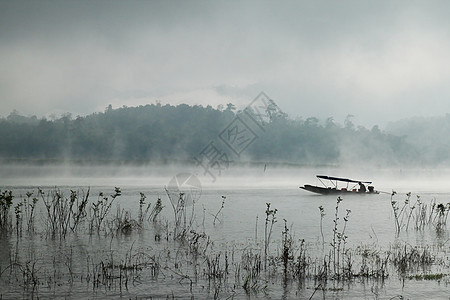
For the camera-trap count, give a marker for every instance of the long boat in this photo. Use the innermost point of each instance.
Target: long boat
(338, 185)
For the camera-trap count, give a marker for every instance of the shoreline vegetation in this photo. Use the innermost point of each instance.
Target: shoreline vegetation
(180, 252)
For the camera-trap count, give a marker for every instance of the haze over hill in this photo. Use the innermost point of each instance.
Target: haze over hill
(429, 136)
(184, 133)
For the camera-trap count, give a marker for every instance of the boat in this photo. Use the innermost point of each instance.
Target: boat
(338, 185)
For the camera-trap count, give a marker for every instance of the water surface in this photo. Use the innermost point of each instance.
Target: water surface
(63, 265)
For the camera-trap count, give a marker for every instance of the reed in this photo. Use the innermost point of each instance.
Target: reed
(30, 207)
(322, 215)
(287, 243)
(395, 210)
(339, 241)
(6, 201)
(100, 209)
(79, 214)
(19, 218)
(441, 215)
(268, 228)
(218, 212)
(156, 210)
(122, 223)
(182, 221)
(407, 259)
(420, 214)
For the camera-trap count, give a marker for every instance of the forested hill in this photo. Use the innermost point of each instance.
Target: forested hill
(167, 133)
(430, 136)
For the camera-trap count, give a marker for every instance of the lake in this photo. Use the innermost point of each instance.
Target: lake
(223, 240)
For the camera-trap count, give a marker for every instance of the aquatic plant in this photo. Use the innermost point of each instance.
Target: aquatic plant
(182, 225)
(19, 218)
(268, 227)
(100, 209)
(122, 223)
(63, 213)
(339, 239)
(287, 255)
(436, 277)
(6, 200)
(374, 263)
(156, 210)
(29, 207)
(395, 209)
(322, 215)
(440, 219)
(220, 209)
(407, 258)
(420, 214)
(79, 213)
(251, 267)
(143, 212)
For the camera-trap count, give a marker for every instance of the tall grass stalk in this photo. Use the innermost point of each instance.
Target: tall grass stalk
(220, 209)
(419, 214)
(63, 213)
(143, 211)
(79, 213)
(30, 206)
(6, 200)
(100, 209)
(268, 228)
(19, 218)
(334, 243)
(182, 224)
(156, 210)
(322, 215)
(287, 243)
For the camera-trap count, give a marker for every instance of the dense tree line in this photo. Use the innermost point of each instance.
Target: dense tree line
(165, 132)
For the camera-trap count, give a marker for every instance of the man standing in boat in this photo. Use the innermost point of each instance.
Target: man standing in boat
(362, 187)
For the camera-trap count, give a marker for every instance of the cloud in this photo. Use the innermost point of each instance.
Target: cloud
(377, 60)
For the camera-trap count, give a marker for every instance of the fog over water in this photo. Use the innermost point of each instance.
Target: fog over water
(401, 180)
(247, 189)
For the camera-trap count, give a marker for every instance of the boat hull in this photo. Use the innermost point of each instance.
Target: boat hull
(332, 191)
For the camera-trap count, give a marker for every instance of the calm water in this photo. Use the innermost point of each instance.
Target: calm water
(63, 266)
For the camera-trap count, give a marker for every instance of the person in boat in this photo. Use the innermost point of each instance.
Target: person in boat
(362, 187)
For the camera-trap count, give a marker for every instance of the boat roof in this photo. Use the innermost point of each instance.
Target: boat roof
(342, 179)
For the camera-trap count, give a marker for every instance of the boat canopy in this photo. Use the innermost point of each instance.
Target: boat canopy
(342, 179)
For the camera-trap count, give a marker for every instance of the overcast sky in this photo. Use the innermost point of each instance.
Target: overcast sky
(379, 61)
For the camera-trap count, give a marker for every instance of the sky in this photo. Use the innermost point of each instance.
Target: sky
(379, 61)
